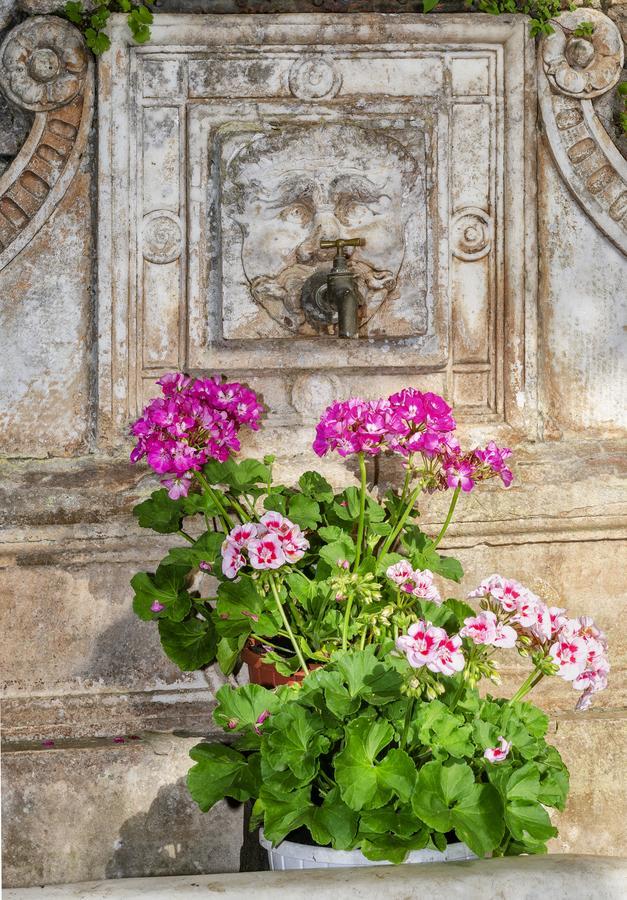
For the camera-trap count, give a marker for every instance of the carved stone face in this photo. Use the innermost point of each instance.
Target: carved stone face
(289, 190)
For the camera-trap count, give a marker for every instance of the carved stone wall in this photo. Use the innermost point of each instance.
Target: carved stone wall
(481, 172)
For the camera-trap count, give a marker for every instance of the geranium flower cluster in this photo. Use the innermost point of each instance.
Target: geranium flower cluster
(413, 581)
(577, 647)
(428, 645)
(406, 423)
(268, 544)
(197, 419)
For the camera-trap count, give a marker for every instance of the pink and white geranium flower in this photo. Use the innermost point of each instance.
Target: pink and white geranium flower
(414, 581)
(498, 754)
(266, 552)
(428, 645)
(570, 655)
(486, 629)
(269, 544)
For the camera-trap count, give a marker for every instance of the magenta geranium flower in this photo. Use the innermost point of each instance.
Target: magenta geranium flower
(195, 420)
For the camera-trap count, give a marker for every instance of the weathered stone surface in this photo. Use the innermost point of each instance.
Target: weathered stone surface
(80, 669)
(110, 810)
(576, 877)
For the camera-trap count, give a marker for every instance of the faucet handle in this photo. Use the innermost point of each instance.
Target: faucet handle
(341, 243)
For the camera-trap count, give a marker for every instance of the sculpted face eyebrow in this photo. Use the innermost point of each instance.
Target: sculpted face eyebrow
(291, 190)
(358, 187)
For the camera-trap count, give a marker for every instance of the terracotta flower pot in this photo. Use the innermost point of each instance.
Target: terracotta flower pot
(264, 673)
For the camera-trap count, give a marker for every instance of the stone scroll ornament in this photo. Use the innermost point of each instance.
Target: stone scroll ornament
(45, 68)
(573, 71)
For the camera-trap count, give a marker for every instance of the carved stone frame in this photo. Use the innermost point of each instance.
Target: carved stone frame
(511, 225)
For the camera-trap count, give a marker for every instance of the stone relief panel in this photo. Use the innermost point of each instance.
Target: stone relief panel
(254, 139)
(286, 190)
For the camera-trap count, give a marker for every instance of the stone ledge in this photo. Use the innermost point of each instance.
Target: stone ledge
(517, 878)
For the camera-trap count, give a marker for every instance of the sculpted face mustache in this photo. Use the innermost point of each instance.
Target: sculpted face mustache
(289, 190)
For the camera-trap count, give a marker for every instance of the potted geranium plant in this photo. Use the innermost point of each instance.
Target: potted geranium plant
(378, 743)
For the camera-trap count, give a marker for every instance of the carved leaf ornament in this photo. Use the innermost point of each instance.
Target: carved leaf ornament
(45, 68)
(573, 71)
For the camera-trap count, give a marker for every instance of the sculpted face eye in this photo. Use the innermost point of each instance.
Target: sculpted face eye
(296, 214)
(355, 212)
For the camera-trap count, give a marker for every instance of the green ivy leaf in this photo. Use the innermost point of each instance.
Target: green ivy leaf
(98, 42)
(73, 9)
(191, 645)
(220, 772)
(428, 5)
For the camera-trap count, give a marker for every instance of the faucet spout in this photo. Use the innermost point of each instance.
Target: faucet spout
(341, 288)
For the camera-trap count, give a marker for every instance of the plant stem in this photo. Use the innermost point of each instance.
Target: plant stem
(408, 714)
(187, 537)
(238, 508)
(401, 522)
(364, 634)
(347, 615)
(362, 510)
(529, 683)
(449, 516)
(226, 519)
(277, 600)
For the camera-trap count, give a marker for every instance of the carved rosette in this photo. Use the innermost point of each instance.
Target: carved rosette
(314, 79)
(471, 234)
(45, 68)
(573, 71)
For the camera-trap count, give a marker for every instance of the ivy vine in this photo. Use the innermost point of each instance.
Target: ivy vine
(92, 22)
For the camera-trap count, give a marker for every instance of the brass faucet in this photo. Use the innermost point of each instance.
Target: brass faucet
(341, 288)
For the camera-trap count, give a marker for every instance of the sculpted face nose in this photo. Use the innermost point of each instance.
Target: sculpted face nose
(324, 226)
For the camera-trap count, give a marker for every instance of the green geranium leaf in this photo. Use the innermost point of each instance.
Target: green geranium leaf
(402, 822)
(447, 797)
(228, 652)
(344, 548)
(304, 511)
(315, 486)
(241, 602)
(460, 610)
(205, 549)
(240, 708)
(367, 677)
(237, 475)
(527, 819)
(191, 645)
(439, 728)
(330, 533)
(393, 847)
(168, 587)
(284, 811)
(334, 822)
(160, 513)
(220, 772)
(362, 783)
(295, 741)
(524, 783)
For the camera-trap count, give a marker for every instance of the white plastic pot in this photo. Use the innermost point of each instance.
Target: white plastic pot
(290, 855)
